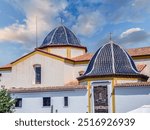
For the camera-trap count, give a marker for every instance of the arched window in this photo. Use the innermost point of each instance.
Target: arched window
(37, 70)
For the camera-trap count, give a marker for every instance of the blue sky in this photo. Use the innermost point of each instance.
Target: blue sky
(90, 20)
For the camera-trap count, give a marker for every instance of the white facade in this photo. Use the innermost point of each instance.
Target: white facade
(56, 72)
(130, 98)
(76, 52)
(52, 71)
(72, 51)
(59, 51)
(6, 78)
(33, 102)
(22, 74)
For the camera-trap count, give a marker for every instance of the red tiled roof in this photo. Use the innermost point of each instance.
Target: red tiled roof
(45, 89)
(73, 82)
(85, 57)
(141, 67)
(6, 66)
(137, 84)
(139, 51)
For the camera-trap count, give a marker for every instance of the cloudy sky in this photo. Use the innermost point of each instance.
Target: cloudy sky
(90, 20)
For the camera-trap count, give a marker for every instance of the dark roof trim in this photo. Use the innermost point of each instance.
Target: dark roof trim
(62, 45)
(114, 76)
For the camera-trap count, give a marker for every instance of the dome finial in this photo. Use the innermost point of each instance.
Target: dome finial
(61, 20)
(110, 36)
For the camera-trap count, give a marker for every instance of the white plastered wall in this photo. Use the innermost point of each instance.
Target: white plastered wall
(71, 72)
(53, 72)
(74, 52)
(126, 81)
(77, 52)
(59, 51)
(130, 98)
(33, 102)
(78, 68)
(22, 74)
(6, 78)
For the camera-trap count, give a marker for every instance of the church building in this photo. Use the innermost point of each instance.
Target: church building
(61, 76)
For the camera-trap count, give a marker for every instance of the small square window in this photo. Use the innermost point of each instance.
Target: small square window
(66, 101)
(46, 101)
(18, 102)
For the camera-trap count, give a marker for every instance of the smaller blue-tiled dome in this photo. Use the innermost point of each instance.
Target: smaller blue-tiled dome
(111, 60)
(61, 36)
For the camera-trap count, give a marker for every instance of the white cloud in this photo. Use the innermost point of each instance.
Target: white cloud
(134, 36)
(88, 23)
(129, 32)
(46, 11)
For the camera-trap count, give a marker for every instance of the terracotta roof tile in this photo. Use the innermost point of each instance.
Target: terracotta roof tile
(74, 82)
(45, 89)
(139, 51)
(85, 57)
(141, 67)
(137, 84)
(6, 66)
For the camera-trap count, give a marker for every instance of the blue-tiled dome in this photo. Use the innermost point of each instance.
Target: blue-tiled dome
(61, 36)
(111, 59)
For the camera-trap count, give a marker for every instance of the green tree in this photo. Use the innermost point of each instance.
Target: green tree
(7, 103)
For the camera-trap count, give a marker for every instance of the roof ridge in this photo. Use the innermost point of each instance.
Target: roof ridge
(113, 60)
(95, 59)
(53, 35)
(66, 35)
